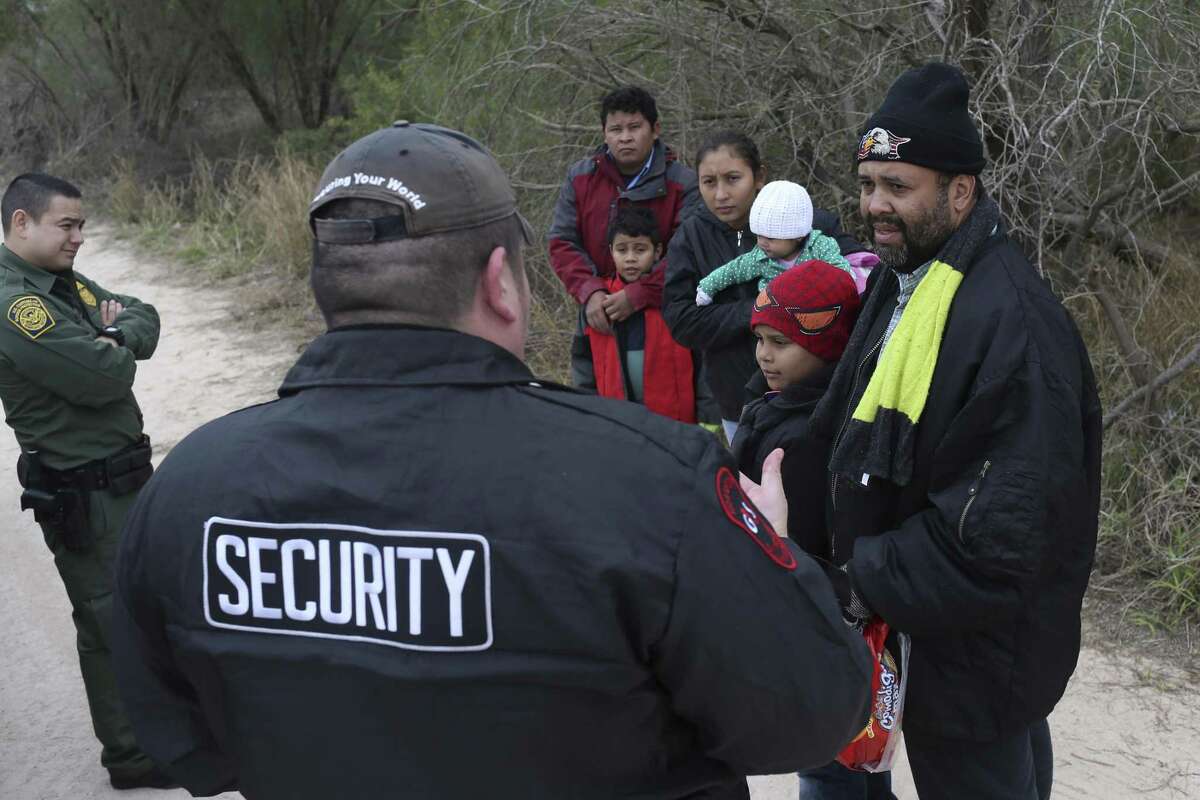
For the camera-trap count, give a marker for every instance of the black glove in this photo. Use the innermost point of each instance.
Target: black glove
(855, 610)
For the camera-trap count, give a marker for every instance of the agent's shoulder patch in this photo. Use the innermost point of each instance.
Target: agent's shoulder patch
(741, 512)
(30, 315)
(85, 294)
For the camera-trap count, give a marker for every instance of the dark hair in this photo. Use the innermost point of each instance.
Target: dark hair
(427, 280)
(631, 100)
(634, 221)
(32, 193)
(743, 147)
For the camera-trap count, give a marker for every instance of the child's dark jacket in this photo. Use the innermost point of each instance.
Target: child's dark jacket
(780, 419)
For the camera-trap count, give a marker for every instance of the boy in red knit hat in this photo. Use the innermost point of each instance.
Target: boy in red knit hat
(801, 322)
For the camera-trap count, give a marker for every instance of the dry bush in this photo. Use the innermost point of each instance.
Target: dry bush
(1148, 558)
(240, 219)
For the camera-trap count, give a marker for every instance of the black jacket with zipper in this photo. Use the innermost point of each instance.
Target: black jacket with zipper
(983, 558)
(721, 331)
(780, 419)
(659, 650)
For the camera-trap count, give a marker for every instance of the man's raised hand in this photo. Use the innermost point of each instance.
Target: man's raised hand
(768, 495)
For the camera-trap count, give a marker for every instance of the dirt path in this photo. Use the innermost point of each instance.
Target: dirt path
(1128, 727)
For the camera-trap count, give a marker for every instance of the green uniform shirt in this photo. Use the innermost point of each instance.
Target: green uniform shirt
(66, 395)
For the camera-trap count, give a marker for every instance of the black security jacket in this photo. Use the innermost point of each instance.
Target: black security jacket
(984, 556)
(780, 420)
(622, 632)
(721, 331)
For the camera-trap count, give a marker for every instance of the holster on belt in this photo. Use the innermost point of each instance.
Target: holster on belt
(62, 511)
(59, 498)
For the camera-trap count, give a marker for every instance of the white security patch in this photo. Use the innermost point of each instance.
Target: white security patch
(412, 589)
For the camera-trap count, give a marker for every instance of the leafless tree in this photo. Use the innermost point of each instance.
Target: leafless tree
(304, 43)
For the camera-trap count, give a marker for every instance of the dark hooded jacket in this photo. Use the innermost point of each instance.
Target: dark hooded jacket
(721, 331)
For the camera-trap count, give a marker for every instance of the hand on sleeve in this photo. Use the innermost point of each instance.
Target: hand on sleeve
(597, 319)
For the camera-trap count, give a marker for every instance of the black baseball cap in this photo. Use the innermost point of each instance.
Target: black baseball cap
(439, 179)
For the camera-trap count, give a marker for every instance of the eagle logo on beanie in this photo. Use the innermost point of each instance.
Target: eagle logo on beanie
(880, 143)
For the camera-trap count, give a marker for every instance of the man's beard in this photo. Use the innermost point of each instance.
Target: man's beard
(921, 240)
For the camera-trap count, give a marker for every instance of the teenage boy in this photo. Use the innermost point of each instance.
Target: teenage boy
(632, 167)
(640, 361)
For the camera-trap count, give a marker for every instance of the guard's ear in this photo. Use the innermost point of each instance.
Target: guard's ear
(498, 286)
(19, 222)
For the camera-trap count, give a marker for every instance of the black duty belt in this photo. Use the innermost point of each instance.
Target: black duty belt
(122, 472)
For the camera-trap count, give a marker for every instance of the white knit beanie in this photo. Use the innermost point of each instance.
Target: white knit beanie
(782, 210)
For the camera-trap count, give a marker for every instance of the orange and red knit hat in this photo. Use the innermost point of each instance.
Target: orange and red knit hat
(814, 304)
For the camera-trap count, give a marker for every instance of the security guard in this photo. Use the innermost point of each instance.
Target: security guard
(421, 573)
(67, 350)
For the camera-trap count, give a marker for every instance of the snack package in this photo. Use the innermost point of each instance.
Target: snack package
(875, 748)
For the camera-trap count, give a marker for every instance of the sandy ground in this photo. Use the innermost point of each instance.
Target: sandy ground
(1128, 727)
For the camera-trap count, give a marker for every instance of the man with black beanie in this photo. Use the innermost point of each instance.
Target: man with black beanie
(965, 428)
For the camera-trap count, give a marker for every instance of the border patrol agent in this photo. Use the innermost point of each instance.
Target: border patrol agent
(67, 352)
(396, 579)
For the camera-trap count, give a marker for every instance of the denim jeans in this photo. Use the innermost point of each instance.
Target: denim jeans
(835, 782)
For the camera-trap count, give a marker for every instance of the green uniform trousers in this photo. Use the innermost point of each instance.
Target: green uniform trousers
(88, 577)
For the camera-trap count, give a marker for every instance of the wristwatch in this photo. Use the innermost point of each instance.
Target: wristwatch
(114, 333)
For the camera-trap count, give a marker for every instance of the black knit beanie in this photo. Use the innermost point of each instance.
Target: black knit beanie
(924, 121)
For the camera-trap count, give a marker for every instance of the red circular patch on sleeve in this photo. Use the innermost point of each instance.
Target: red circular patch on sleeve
(741, 512)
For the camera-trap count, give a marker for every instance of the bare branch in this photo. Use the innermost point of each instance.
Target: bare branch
(1163, 378)
(1119, 241)
(561, 127)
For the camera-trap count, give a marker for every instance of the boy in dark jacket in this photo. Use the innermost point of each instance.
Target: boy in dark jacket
(801, 322)
(639, 360)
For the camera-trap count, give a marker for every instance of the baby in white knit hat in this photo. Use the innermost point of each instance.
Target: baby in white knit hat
(781, 218)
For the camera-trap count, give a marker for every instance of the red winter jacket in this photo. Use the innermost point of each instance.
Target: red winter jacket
(589, 199)
(668, 383)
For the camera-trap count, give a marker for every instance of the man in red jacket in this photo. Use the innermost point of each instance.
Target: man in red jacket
(632, 167)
